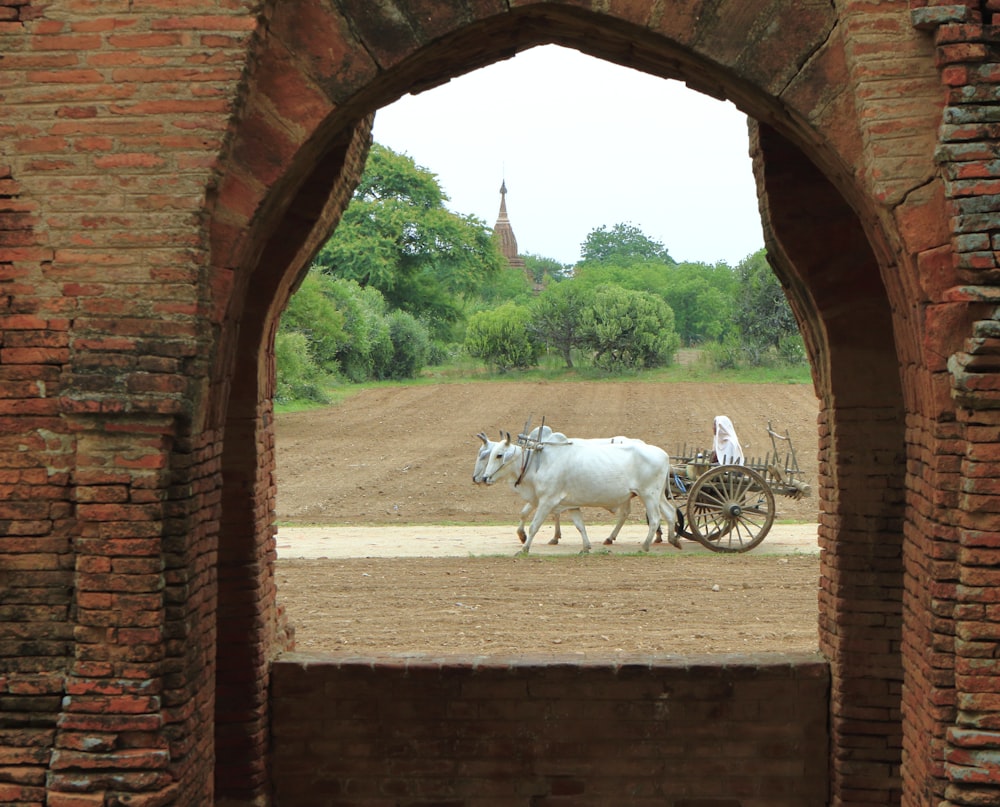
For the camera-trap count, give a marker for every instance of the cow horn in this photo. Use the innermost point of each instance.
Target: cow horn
(482, 436)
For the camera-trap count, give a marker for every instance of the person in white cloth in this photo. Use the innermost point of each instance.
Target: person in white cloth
(726, 447)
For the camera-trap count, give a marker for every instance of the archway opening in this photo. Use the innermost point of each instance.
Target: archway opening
(382, 475)
(613, 41)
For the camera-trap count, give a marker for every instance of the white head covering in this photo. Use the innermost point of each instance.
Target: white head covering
(727, 444)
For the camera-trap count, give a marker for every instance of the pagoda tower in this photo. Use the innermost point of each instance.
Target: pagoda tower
(503, 233)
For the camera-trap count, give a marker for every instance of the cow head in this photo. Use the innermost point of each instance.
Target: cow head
(500, 459)
(482, 458)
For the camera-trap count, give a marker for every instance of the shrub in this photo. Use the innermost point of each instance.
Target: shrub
(500, 337)
(410, 345)
(629, 330)
(556, 318)
(299, 378)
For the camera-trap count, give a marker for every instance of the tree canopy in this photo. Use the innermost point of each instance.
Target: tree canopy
(764, 318)
(623, 244)
(398, 237)
(405, 282)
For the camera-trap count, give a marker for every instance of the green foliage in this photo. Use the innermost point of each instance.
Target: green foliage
(703, 311)
(792, 350)
(702, 296)
(726, 354)
(362, 315)
(507, 284)
(312, 312)
(623, 244)
(398, 237)
(648, 276)
(763, 317)
(629, 330)
(404, 284)
(411, 346)
(349, 330)
(501, 338)
(556, 317)
(543, 270)
(298, 376)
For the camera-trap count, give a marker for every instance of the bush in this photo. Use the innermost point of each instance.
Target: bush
(439, 353)
(299, 378)
(313, 312)
(556, 317)
(629, 330)
(734, 354)
(379, 336)
(792, 350)
(500, 337)
(725, 355)
(410, 346)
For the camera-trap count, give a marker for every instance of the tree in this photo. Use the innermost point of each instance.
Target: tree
(501, 338)
(629, 329)
(313, 312)
(542, 269)
(397, 236)
(298, 375)
(411, 345)
(509, 283)
(556, 317)
(623, 244)
(702, 312)
(762, 314)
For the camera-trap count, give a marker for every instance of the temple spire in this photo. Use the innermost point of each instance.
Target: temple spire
(503, 234)
(503, 201)
(502, 231)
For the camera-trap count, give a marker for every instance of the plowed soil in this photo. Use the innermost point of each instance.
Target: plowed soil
(404, 456)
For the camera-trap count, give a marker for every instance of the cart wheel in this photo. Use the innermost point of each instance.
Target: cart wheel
(730, 509)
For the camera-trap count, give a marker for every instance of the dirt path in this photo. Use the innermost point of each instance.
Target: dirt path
(421, 541)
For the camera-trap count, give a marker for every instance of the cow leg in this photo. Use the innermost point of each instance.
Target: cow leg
(558, 532)
(577, 517)
(522, 537)
(670, 515)
(622, 512)
(653, 516)
(542, 511)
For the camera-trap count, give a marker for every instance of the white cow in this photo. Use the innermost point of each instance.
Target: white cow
(526, 489)
(526, 492)
(575, 474)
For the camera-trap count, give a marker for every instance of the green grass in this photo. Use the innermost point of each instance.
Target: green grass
(552, 368)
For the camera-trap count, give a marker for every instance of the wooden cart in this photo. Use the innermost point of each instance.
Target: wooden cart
(730, 508)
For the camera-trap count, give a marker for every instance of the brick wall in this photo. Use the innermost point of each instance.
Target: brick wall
(166, 170)
(733, 732)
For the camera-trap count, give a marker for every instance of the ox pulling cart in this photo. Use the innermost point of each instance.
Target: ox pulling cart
(728, 507)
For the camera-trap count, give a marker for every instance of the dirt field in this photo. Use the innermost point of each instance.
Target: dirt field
(395, 457)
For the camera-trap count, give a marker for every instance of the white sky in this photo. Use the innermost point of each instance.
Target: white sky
(583, 143)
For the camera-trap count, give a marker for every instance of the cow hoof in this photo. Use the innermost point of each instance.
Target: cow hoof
(608, 542)
(553, 542)
(675, 542)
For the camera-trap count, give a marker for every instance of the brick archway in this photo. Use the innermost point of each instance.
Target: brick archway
(166, 179)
